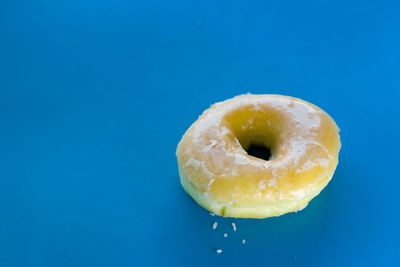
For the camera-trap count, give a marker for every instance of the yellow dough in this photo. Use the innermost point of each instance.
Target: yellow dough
(217, 172)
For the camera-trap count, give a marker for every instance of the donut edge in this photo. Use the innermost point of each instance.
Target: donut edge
(257, 212)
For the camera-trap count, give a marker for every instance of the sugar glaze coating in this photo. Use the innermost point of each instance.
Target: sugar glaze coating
(217, 172)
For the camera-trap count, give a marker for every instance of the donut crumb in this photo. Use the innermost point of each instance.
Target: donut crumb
(225, 235)
(215, 225)
(234, 227)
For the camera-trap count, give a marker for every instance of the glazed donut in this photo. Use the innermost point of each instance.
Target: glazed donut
(218, 173)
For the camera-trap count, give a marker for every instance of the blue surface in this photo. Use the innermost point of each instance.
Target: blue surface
(95, 95)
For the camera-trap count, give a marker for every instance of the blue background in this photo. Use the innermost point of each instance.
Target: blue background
(95, 95)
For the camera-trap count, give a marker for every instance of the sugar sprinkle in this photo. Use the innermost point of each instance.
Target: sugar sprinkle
(215, 225)
(234, 227)
(219, 251)
(225, 235)
(243, 241)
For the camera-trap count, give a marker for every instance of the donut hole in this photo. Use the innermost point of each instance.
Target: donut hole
(256, 131)
(258, 146)
(259, 151)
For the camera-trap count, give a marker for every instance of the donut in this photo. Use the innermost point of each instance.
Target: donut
(218, 171)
